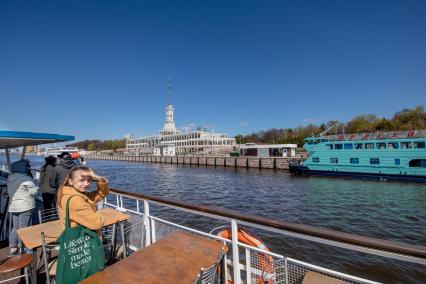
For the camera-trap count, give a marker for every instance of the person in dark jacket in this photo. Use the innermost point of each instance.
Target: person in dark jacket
(46, 174)
(61, 170)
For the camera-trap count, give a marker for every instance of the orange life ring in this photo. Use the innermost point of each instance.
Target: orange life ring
(266, 262)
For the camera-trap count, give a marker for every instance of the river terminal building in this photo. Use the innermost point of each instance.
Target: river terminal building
(170, 141)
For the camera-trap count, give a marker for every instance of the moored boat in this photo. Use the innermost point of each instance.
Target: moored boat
(381, 155)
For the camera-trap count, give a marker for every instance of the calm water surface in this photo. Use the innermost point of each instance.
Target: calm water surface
(388, 210)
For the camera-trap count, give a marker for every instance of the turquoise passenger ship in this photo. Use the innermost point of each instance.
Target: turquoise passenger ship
(378, 155)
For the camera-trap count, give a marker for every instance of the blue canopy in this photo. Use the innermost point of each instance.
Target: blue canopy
(13, 139)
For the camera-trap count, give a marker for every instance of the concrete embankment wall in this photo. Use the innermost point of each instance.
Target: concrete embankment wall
(235, 162)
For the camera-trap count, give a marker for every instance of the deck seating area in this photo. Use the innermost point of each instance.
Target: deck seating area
(146, 236)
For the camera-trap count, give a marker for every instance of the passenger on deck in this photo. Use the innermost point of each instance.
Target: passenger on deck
(46, 174)
(22, 192)
(61, 170)
(82, 207)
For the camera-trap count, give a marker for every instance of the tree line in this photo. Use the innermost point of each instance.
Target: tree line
(99, 145)
(406, 119)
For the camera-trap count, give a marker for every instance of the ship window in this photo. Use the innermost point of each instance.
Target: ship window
(334, 160)
(381, 145)
(419, 145)
(338, 146)
(359, 146)
(354, 160)
(397, 162)
(374, 161)
(418, 163)
(349, 146)
(406, 145)
(315, 159)
(369, 145)
(393, 145)
(329, 146)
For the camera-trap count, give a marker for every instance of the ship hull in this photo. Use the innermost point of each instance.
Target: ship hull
(303, 170)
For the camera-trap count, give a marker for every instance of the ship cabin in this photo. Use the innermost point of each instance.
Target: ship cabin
(270, 150)
(389, 151)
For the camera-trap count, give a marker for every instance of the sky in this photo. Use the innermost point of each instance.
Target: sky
(99, 69)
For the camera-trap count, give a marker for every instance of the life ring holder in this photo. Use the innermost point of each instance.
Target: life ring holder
(266, 261)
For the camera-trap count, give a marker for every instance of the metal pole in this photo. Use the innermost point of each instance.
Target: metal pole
(248, 265)
(24, 150)
(8, 159)
(235, 253)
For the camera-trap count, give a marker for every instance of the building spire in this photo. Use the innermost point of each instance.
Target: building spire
(169, 92)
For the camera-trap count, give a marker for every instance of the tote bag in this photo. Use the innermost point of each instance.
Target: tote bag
(81, 253)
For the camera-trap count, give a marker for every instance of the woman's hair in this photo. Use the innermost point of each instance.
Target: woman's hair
(69, 176)
(50, 160)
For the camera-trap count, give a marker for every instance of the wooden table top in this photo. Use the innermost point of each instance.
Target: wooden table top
(30, 236)
(176, 258)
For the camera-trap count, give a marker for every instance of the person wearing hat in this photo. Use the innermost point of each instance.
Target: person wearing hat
(22, 192)
(61, 170)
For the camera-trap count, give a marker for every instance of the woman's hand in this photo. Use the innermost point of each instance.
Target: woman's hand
(92, 176)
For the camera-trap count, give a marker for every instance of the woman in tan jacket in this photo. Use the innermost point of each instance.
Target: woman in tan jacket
(82, 207)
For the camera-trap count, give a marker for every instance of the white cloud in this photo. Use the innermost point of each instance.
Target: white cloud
(242, 123)
(311, 120)
(188, 127)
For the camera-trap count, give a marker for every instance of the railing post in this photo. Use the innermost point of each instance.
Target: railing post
(248, 265)
(235, 253)
(146, 223)
(286, 270)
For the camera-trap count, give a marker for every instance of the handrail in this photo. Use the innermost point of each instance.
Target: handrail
(347, 238)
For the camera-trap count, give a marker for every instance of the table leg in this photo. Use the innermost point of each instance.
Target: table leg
(114, 242)
(34, 267)
(123, 238)
(223, 269)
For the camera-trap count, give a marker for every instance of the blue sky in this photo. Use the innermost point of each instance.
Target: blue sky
(99, 69)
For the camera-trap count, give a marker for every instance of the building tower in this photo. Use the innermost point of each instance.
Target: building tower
(169, 124)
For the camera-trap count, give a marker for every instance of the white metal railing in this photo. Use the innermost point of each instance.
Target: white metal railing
(247, 263)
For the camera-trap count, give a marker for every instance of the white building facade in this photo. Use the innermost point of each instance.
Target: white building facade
(171, 142)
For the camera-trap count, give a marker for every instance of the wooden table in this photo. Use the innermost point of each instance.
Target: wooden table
(176, 258)
(31, 236)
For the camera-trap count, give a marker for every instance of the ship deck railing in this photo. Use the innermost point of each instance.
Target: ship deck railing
(152, 218)
(376, 135)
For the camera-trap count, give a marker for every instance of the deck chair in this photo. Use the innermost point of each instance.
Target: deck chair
(50, 256)
(47, 215)
(207, 275)
(109, 239)
(11, 264)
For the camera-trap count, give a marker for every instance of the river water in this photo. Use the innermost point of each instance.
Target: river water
(388, 210)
